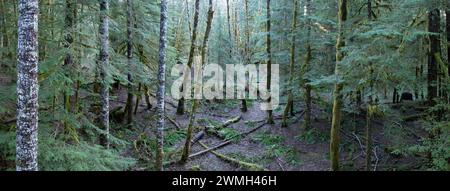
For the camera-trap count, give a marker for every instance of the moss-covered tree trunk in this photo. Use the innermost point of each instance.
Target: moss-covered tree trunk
(27, 87)
(305, 68)
(433, 27)
(104, 65)
(192, 117)
(68, 60)
(247, 53)
(269, 60)
(447, 13)
(291, 65)
(129, 104)
(337, 97)
(180, 108)
(160, 96)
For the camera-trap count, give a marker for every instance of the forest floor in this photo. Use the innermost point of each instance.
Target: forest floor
(273, 147)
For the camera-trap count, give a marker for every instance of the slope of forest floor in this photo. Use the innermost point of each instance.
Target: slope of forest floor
(273, 147)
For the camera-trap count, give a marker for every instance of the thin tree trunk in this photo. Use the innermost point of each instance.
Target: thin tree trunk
(161, 86)
(147, 97)
(371, 106)
(337, 100)
(269, 61)
(434, 27)
(138, 99)
(291, 66)
(27, 87)
(187, 146)
(104, 65)
(5, 40)
(247, 48)
(180, 108)
(229, 28)
(129, 106)
(305, 69)
(68, 61)
(447, 13)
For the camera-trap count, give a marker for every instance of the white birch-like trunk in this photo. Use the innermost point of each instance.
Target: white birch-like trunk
(27, 86)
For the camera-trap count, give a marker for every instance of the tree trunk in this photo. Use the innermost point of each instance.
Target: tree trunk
(4, 37)
(291, 66)
(305, 69)
(447, 13)
(161, 85)
(68, 60)
(104, 65)
(180, 108)
(269, 61)
(247, 54)
(434, 27)
(337, 100)
(229, 29)
(27, 87)
(371, 107)
(129, 106)
(187, 146)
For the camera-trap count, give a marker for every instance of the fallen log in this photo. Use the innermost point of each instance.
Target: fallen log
(173, 122)
(246, 165)
(228, 141)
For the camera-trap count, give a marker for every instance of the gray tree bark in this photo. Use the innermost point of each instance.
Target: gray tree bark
(161, 84)
(104, 64)
(27, 87)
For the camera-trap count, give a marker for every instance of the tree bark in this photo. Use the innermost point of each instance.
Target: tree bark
(447, 13)
(104, 65)
(161, 85)
(247, 48)
(180, 108)
(371, 106)
(433, 27)
(307, 88)
(27, 87)
(269, 61)
(187, 146)
(337, 100)
(129, 106)
(291, 66)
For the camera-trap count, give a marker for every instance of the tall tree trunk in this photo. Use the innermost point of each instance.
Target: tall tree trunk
(305, 69)
(161, 85)
(27, 86)
(447, 13)
(269, 61)
(129, 106)
(229, 29)
(187, 146)
(247, 48)
(180, 108)
(291, 66)
(68, 61)
(434, 27)
(371, 106)
(4, 37)
(104, 65)
(337, 100)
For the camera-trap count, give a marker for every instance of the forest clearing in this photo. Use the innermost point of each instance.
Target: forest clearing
(136, 85)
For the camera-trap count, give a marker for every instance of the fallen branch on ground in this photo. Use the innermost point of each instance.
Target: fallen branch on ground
(227, 142)
(246, 165)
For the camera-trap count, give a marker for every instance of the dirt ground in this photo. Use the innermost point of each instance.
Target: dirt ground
(293, 148)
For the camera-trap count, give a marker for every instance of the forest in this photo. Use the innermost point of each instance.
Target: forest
(224, 85)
